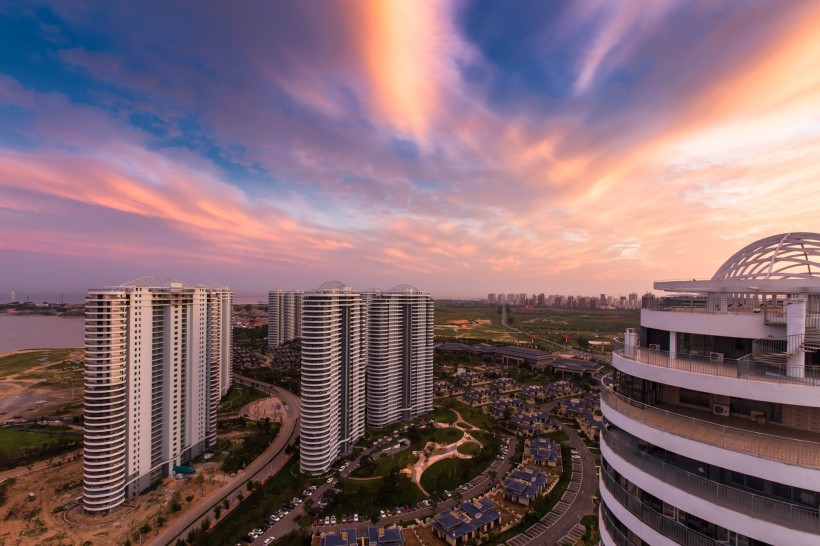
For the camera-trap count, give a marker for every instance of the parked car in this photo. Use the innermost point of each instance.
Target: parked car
(267, 541)
(355, 518)
(333, 520)
(327, 520)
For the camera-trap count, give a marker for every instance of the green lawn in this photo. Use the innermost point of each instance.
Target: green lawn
(20, 362)
(442, 415)
(238, 396)
(370, 496)
(472, 415)
(18, 446)
(384, 465)
(469, 448)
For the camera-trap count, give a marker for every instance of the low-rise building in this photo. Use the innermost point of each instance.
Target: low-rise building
(467, 521)
(385, 536)
(524, 484)
(343, 537)
(542, 452)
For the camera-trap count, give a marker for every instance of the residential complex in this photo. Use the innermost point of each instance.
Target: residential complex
(372, 349)
(284, 316)
(713, 432)
(400, 355)
(334, 360)
(157, 364)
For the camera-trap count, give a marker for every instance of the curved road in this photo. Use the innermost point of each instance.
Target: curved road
(269, 463)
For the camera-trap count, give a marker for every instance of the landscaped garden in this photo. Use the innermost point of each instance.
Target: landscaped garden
(377, 466)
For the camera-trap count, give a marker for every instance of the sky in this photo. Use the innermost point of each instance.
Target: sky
(462, 147)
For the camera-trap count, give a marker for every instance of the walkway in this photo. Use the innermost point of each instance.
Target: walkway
(561, 523)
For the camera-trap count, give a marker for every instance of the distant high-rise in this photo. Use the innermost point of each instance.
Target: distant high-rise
(490, 298)
(284, 316)
(157, 357)
(334, 360)
(400, 355)
(13, 298)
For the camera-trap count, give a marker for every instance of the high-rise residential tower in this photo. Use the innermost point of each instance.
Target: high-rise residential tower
(157, 363)
(284, 316)
(400, 355)
(713, 434)
(334, 359)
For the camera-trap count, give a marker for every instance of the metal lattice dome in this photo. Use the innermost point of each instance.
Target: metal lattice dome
(784, 256)
(154, 281)
(334, 285)
(404, 288)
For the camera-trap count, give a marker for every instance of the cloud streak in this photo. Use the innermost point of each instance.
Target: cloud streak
(280, 145)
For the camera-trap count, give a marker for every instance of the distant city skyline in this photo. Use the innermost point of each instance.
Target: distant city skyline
(570, 147)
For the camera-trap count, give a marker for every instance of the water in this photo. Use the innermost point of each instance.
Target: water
(19, 332)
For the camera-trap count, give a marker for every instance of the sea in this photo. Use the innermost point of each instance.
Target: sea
(18, 332)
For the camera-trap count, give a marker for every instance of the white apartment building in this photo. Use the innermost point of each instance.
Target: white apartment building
(400, 355)
(284, 316)
(157, 363)
(713, 434)
(334, 360)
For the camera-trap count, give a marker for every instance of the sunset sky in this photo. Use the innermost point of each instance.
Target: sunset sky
(462, 147)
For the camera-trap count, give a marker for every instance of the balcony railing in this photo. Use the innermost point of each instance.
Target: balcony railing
(743, 368)
(757, 506)
(766, 446)
(666, 526)
(617, 535)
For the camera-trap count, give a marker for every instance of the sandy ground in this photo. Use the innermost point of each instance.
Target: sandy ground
(34, 521)
(266, 407)
(20, 392)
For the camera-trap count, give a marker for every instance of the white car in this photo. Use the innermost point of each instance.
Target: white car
(267, 541)
(327, 520)
(333, 520)
(355, 518)
(330, 480)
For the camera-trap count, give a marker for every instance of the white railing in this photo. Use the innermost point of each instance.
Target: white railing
(766, 446)
(757, 506)
(742, 368)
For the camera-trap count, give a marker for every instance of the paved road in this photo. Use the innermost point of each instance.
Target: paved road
(576, 503)
(269, 463)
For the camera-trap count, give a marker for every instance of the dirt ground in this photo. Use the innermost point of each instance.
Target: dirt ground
(59, 383)
(266, 407)
(44, 520)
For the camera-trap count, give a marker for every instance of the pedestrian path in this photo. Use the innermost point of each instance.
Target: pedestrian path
(534, 534)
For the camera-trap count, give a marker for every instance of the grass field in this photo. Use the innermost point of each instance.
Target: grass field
(383, 466)
(472, 415)
(17, 444)
(472, 321)
(20, 362)
(469, 448)
(238, 396)
(442, 415)
(368, 497)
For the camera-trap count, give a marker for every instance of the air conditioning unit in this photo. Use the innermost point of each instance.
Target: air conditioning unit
(720, 409)
(654, 347)
(716, 357)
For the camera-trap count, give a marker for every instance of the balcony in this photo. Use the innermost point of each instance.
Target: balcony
(779, 448)
(785, 514)
(744, 368)
(667, 527)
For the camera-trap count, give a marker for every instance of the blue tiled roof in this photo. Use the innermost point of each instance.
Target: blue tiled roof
(345, 537)
(380, 535)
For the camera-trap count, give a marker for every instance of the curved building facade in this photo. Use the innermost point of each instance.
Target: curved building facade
(713, 414)
(157, 364)
(400, 355)
(334, 359)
